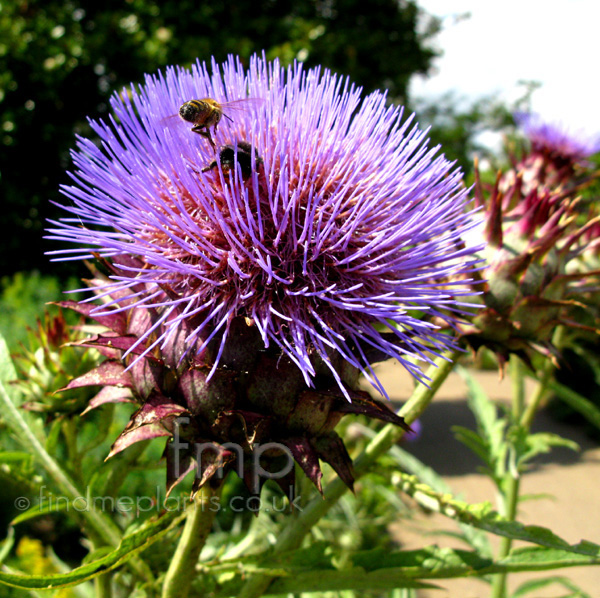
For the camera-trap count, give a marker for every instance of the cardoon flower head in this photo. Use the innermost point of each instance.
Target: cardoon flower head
(250, 282)
(556, 139)
(534, 279)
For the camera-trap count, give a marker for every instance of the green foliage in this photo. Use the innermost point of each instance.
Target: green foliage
(347, 553)
(103, 561)
(22, 297)
(60, 62)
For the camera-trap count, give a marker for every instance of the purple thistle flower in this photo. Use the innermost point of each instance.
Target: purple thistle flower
(556, 139)
(331, 225)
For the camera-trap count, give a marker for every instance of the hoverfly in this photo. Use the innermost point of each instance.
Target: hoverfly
(206, 113)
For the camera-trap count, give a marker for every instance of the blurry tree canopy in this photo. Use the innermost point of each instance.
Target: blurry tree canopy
(61, 60)
(458, 127)
(463, 127)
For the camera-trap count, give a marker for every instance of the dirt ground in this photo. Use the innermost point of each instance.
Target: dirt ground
(568, 481)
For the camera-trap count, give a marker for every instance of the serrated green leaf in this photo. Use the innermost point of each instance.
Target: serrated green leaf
(491, 427)
(379, 569)
(99, 553)
(534, 585)
(531, 555)
(432, 559)
(472, 536)
(55, 506)
(542, 443)
(384, 570)
(483, 408)
(355, 579)
(130, 545)
(482, 516)
(473, 442)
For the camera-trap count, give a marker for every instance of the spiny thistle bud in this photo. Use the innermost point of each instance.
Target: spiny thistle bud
(255, 270)
(256, 397)
(534, 237)
(48, 364)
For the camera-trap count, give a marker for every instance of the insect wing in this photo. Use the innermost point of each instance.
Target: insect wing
(242, 104)
(172, 121)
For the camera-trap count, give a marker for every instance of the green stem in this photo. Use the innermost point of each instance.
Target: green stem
(199, 520)
(522, 416)
(100, 525)
(538, 395)
(518, 388)
(511, 481)
(511, 499)
(103, 585)
(295, 531)
(545, 377)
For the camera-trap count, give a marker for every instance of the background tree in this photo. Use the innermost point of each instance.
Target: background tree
(466, 128)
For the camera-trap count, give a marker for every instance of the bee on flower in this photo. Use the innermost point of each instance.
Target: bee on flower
(248, 306)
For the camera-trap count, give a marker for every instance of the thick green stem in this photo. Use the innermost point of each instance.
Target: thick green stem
(101, 526)
(511, 482)
(522, 416)
(538, 395)
(199, 520)
(511, 500)
(295, 531)
(518, 389)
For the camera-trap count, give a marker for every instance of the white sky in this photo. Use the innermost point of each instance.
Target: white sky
(554, 42)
